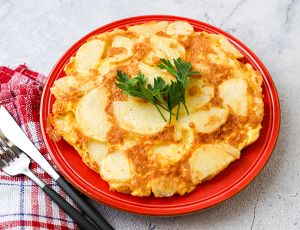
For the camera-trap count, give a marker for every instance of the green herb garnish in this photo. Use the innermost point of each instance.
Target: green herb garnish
(154, 94)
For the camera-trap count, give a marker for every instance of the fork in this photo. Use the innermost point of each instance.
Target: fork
(14, 162)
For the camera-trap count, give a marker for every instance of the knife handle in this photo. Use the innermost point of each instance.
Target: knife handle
(72, 212)
(61, 202)
(89, 210)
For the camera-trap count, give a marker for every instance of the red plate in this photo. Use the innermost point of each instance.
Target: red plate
(228, 183)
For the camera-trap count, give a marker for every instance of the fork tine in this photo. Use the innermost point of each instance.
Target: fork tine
(2, 164)
(13, 147)
(4, 156)
(8, 152)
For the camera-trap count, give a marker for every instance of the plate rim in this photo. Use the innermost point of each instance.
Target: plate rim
(243, 182)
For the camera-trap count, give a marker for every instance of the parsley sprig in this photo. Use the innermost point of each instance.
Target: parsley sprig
(154, 94)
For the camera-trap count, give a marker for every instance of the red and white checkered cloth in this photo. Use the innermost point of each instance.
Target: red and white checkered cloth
(23, 205)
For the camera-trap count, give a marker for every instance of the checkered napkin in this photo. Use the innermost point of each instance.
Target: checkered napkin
(23, 205)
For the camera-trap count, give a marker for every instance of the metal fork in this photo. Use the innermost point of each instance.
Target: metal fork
(15, 163)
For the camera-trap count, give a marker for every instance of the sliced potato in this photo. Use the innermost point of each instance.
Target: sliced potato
(170, 153)
(234, 93)
(197, 95)
(207, 161)
(115, 168)
(205, 121)
(149, 29)
(104, 67)
(129, 141)
(180, 27)
(229, 149)
(220, 57)
(163, 187)
(60, 87)
(199, 67)
(153, 72)
(97, 151)
(215, 38)
(172, 48)
(55, 91)
(121, 49)
(153, 57)
(228, 47)
(91, 116)
(139, 117)
(167, 152)
(89, 55)
(72, 85)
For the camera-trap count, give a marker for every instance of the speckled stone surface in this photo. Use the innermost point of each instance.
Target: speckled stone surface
(39, 32)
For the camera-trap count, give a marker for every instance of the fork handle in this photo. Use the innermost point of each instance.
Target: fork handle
(62, 203)
(72, 212)
(89, 210)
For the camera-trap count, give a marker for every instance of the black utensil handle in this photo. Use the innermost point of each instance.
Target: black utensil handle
(88, 209)
(72, 212)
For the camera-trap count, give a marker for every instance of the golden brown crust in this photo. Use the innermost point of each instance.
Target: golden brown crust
(141, 49)
(199, 44)
(156, 60)
(162, 34)
(80, 138)
(52, 130)
(184, 40)
(194, 90)
(116, 50)
(115, 135)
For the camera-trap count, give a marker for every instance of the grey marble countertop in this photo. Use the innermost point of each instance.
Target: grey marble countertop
(39, 32)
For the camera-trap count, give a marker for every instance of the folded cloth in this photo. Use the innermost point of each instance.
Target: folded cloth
(23, 205)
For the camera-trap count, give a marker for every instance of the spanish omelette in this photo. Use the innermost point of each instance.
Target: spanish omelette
(125, 140)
